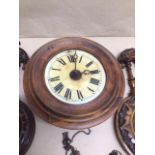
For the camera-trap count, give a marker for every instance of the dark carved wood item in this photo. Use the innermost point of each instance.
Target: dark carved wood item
(26, 128)
(125, 116)
(72, 116)
(26, 118)
(126, 59)
(23, 57)
(115, 152)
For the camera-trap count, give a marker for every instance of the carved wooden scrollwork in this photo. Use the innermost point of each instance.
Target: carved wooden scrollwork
(26, 118)
(126, 58)
(26, 128)
(23, 57)
(125, 116)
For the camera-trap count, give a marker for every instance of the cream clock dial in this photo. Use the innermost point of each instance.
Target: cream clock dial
(75, 77)
(73, 83)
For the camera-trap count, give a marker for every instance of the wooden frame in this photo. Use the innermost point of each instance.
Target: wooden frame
(73, 116)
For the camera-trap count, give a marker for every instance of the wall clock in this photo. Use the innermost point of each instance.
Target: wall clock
(73, 83)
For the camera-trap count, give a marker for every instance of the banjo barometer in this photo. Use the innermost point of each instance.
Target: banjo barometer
(73, 83)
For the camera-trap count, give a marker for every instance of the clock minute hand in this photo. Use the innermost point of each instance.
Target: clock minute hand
(75, 59)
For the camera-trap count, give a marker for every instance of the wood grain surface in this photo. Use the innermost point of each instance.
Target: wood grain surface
(73, 116)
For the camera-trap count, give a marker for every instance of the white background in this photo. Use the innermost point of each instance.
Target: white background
(48, 139)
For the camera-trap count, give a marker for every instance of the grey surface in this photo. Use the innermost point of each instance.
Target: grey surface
(57, 18)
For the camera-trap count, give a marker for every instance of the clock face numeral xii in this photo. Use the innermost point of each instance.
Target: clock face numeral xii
(71, 58)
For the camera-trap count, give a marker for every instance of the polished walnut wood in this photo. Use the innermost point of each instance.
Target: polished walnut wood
(70, 116)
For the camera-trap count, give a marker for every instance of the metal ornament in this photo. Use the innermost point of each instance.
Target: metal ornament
(125, 116)
(70, 149)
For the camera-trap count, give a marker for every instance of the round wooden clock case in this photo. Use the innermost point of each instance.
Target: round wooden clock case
(68, 97)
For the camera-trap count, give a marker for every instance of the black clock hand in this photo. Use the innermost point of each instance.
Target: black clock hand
(75, 59)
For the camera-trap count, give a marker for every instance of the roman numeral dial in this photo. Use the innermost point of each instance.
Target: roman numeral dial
(75, 77)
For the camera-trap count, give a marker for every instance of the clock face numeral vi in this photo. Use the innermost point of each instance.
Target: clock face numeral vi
(80, 96)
